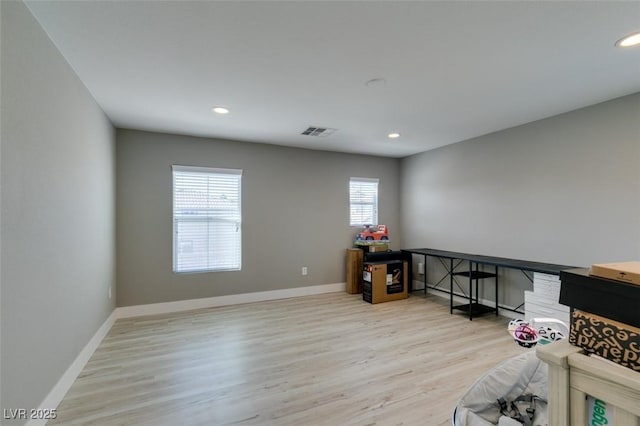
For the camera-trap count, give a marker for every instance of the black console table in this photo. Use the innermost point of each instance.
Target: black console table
(474, 274)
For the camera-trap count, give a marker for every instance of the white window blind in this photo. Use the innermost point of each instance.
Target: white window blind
(207, 219)
(363, 201)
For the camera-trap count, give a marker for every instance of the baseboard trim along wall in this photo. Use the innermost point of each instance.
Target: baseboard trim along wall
(233, 299)
(61, 388)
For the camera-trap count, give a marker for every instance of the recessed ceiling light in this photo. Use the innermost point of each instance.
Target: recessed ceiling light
(220, 110)
(630, 40)
(393, 135)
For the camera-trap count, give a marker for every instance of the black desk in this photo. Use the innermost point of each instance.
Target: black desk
(474, 307)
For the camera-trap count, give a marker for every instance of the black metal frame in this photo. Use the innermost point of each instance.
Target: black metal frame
(474, 307)
(474, 275)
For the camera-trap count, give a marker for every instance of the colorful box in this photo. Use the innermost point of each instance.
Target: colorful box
(607, 338)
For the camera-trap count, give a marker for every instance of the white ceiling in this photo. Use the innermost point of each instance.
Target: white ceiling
(453, 70)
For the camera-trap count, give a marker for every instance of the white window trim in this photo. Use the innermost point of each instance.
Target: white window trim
(212, 170)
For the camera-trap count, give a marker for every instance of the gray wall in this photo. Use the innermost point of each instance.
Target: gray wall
(58, 213)
(295, 206)
(562, 190)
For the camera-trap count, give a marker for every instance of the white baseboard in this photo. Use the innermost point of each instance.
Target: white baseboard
(60, 389)
(233, 299)
(419, 285)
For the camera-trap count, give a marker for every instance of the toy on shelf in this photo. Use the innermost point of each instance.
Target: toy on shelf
(373, 233)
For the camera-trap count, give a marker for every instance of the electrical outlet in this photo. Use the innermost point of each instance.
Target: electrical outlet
(421, 268)
(305, 271)
(109, 292)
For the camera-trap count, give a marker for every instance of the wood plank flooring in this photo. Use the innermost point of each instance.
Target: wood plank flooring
(329, 359)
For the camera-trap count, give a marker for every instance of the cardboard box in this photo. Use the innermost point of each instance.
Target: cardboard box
(612, 299)
(607, 338)
(354, 271)
(385, 281)
(377, 248)
(372, 248)
(629, 272)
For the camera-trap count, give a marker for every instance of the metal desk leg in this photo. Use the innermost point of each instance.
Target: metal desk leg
(425, 273)
(470, 291)
(477, 299)
(451, 286)
(496, 270)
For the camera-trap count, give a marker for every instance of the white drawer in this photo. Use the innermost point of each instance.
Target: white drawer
(547, 295)
(534, 301)
(533, 310)
(534, 313)
(548, 308)
(546, 286)
(542, 299)
(539, 276)
(545, 303)
(544, 310)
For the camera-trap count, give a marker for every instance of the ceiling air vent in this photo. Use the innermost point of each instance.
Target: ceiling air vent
(318, 131)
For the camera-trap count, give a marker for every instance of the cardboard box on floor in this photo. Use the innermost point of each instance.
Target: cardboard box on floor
(385, 281)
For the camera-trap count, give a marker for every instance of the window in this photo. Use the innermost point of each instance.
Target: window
(206, 219)
(363, 201)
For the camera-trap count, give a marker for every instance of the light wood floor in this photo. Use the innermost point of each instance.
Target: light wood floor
(329, 359)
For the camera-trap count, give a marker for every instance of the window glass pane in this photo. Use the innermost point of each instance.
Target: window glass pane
(363, 201)
(206, 219)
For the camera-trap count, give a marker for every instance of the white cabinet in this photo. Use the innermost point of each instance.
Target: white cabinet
(542, 302)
